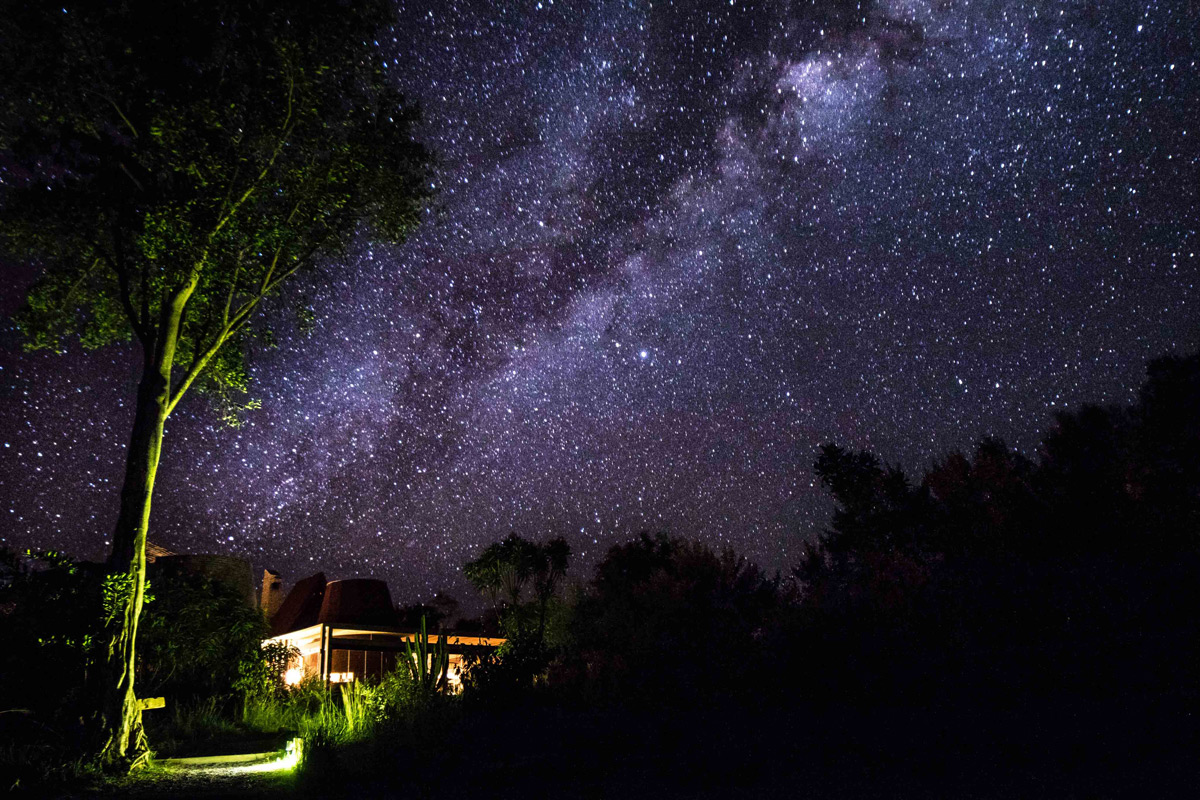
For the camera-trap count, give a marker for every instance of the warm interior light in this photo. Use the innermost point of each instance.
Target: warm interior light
(341, 677)
(293, 676)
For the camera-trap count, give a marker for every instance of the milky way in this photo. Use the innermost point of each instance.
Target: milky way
(676, 247)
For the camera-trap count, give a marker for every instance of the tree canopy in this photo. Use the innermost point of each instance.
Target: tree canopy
(197, 154)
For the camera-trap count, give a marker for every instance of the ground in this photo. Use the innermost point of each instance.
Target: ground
(264, 779)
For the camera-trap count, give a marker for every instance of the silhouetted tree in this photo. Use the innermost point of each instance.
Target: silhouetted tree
(502, 573)
(440, 614)
(999, 579)
(668, 619)
(506, 568)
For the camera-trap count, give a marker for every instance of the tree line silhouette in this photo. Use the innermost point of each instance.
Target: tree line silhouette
(1003, 609)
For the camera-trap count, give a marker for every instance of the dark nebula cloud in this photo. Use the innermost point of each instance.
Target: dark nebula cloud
(677, 247)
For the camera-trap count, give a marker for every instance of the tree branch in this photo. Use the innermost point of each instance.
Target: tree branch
(239, 318)
(121, 114)
(83, 276)
(125, 292)
(285, 129)
(140, 323)
(199, 350)
(232, 289)
(129, 174)
(234, 324)
(145, 298)
(266, 281)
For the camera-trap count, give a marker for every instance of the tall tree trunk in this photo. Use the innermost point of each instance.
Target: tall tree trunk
(120, 738)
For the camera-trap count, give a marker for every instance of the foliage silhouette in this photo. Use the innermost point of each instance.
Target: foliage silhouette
(1000, 581)
(670, 620)
(49, 620)
(502, 573)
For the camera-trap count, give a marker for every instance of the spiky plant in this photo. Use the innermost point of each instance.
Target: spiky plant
(427, 665)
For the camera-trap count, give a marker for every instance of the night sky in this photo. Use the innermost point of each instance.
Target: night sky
(676, 248)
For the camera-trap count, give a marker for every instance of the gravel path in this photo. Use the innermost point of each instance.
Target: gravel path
(265, 779)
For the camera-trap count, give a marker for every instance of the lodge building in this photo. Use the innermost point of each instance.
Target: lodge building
(343, 630)
(348, 630)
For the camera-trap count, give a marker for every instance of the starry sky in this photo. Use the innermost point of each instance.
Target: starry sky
(676, 247)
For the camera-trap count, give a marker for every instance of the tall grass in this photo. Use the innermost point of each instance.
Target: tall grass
(207, 718)
(359, 707)
(355, 711)
(359, 726)
(299, 710)
(340, 714)
(288, 710)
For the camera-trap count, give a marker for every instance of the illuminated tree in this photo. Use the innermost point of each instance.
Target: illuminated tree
(170, 166)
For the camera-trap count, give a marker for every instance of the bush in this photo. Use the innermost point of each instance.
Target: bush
(199, 639)
(260, 672)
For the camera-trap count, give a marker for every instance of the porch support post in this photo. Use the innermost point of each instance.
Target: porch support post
(322, 666)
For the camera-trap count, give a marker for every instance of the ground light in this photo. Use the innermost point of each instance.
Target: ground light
(285, 763)
(242, 764)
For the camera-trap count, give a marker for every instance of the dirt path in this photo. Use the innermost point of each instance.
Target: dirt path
(179, 782)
